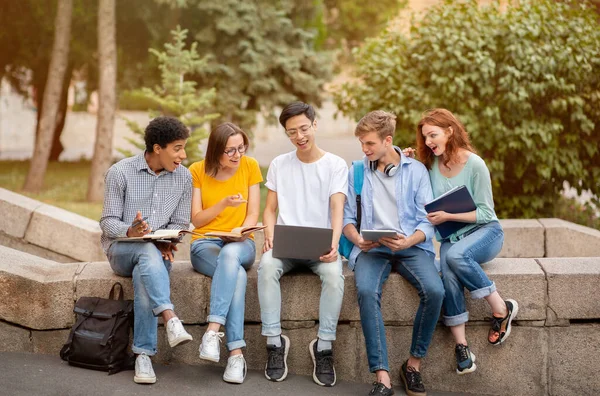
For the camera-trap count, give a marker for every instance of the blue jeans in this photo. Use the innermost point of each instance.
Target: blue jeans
(461, 267)
(370, 273)
(151, 288)
(226, 264)
(269, 293)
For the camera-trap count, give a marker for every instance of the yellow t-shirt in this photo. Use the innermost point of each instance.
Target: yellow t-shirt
(213, 191)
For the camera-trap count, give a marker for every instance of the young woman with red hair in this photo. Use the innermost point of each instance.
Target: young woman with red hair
(443, 146)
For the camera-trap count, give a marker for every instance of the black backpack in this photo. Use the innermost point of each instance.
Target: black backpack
(99, 338)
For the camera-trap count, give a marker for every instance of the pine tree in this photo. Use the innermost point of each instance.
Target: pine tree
(178, 97)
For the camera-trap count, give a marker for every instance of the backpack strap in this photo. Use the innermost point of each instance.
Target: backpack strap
(359, 171)
(111, 295)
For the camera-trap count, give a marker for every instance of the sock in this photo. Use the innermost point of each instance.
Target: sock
(275, 340)
(323, 345)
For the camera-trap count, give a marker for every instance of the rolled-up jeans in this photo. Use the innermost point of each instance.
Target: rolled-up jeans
(370, 273)
(151, 288)
(269, 293)
(461, 268)
(226, 263)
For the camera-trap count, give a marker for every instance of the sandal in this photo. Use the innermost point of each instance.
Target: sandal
(501, 327)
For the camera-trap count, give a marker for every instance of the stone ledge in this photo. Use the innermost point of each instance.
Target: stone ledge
(16, 211)
(521, 279)
(522, 238)
(573, 286)
(65, 233)
(566, 239)
(34, 292)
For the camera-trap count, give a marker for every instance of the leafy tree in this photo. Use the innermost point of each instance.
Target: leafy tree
(178, 97)
(257, 59)
(26, 44)
(350, 22)
(525, 81)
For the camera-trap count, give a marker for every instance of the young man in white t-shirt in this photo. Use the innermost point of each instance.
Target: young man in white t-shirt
(308, 186)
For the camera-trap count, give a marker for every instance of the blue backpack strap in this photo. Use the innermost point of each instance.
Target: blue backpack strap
(358, 176)
(358, 184)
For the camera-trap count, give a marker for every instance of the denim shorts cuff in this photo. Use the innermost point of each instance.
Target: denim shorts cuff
(216, 319)
(326, 336)
(236, 345)
(483, 292)
(456, 320)
(158, 310)
(271, 330)
(377, 368)
(139, 351)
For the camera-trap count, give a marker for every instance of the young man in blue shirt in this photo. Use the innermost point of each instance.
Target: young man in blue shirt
(395, 190)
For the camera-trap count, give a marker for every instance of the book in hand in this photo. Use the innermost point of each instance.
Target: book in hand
(456, 200)
(237, 232)
(173, 236)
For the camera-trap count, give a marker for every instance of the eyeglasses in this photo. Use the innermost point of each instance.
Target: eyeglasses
(231, 151)
(302, 131)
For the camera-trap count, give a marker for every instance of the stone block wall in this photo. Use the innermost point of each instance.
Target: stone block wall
(50, 257)
(554, 339)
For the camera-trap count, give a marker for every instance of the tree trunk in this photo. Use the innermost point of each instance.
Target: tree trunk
(61, 117)
(56, 73)
(107, 54)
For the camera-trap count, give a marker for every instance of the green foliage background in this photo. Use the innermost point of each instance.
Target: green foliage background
(177, 96)
(524, 81)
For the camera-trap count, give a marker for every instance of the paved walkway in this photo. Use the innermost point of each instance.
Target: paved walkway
(26, 374)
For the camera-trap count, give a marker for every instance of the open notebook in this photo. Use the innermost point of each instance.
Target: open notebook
(173, 236)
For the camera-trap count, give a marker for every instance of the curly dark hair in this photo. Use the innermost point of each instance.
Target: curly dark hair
(164, 130)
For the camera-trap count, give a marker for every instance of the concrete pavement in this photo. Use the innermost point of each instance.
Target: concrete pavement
(26, 374)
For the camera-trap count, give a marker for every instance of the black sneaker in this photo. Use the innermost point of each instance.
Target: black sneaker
(502, 326)
(413, 383)
(323, 371)
(276, 368)
(380, 390)
(465, 359)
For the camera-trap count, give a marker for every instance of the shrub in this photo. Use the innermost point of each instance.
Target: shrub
(525, 81)
(137, 100)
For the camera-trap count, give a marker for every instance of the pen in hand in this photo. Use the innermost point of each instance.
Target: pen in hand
(137, 223)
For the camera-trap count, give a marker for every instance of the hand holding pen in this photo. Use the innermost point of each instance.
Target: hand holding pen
(139, 227)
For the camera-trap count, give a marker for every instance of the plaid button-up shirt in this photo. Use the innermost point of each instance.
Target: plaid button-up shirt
(131, 185)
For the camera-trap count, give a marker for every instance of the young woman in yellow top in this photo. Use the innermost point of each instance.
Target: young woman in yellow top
(226, 195)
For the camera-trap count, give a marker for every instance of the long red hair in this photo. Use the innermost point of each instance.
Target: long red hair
(458, 139)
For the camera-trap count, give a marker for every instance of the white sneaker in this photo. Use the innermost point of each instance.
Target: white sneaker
(144, 373)
(176, 334)
(235, 372)
(209, 348)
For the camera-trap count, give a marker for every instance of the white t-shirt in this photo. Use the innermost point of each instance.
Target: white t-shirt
(303, 190)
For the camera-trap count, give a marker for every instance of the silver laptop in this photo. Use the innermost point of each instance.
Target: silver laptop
(296, 242)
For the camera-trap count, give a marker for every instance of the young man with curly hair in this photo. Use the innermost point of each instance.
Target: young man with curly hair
(153, 184)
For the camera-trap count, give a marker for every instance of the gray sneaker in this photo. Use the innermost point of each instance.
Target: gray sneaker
(144, 373)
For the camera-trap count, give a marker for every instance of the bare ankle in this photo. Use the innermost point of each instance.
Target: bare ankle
(384, 377)
(415, 363)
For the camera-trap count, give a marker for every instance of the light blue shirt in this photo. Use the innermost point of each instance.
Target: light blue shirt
(413, 191)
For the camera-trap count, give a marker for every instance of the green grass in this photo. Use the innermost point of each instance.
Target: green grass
(65, 185)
